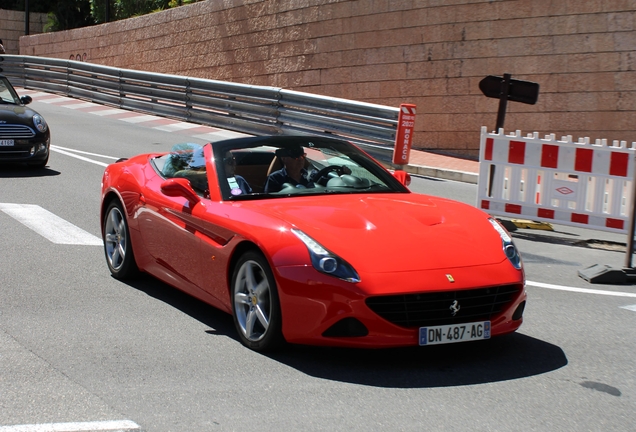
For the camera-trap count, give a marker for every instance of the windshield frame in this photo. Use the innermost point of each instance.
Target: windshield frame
(8, 91)
(345, 148)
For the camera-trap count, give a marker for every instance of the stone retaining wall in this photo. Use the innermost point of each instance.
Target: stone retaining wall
(431, 53)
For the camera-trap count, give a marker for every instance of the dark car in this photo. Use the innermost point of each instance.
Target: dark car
(24, 134)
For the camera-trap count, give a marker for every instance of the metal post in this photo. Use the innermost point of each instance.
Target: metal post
(630, 231)
(503, 101)
(26, 17)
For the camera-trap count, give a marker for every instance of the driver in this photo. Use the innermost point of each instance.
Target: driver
(293, 171)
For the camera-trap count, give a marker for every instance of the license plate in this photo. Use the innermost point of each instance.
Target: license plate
(7, 142)
(454, 333)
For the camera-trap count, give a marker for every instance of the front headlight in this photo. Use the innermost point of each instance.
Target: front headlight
(327, 262)
(508, 246)
(39, 123)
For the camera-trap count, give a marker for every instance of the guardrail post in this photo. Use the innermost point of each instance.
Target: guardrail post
(122, 96)
(188, 104)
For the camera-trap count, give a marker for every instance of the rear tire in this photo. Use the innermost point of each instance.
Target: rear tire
(255, 303)
(117, 245)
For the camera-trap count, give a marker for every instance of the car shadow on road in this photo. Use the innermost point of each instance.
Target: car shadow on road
(499, 359)
(21, 171)
(220, 323)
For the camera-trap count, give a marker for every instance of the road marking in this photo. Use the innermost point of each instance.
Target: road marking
(49, 226)
(220, 135)
(52, 100)
(64, 152)
(178, 126)
(580, 290)
(109, 112)
(86, 153)
(141, 119)
(73, 104)
(630, 307)
(112, 425)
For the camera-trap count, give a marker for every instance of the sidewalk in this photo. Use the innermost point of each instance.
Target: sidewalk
(440, 166)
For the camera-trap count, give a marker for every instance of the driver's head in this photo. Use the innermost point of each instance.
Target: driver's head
(293, 157)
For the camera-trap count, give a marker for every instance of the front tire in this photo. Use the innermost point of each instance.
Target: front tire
(257, 315)
(117, 246)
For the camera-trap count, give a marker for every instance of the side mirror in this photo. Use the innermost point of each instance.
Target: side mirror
(180, 187)
(26, 99)
(403, 177)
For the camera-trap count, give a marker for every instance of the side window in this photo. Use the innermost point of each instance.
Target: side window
(186, 161)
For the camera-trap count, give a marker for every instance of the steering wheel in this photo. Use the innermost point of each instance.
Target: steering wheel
(326, 170)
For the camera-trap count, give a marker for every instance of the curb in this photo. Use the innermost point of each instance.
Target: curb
(447, 174)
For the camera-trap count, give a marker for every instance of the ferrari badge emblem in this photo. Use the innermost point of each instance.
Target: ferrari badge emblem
(454, 308)
(450, 278)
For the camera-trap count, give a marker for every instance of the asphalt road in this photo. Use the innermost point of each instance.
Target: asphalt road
(78, 346)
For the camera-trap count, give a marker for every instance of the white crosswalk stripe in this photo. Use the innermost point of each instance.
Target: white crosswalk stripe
(112, 425)
(49, 226)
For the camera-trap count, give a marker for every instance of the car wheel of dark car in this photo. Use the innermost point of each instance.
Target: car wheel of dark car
(117, 246)
(257, 315)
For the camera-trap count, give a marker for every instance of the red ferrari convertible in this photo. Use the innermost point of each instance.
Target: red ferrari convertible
(309, 240)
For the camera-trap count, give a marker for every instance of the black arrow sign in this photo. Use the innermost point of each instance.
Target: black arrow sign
(505, 89)
(519, 91)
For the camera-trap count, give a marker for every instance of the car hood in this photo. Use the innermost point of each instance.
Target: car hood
(16, 114)
(396, 232)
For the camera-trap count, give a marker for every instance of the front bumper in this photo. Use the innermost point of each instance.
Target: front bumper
(320, 310)
(26, 150)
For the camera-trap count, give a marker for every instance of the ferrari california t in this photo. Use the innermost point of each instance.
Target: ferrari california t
(24, 135)
(308, 240)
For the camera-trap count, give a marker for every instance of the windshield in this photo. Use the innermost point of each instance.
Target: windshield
(7, 93)
(288, 166)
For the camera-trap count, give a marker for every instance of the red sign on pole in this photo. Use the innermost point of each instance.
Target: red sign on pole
(404, 137)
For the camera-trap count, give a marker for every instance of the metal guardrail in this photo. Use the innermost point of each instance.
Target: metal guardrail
(257, 110)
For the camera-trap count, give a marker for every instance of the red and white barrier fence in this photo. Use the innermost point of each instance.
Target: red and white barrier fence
(564, 182)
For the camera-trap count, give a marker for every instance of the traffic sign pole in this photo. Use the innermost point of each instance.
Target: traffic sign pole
(503, 101)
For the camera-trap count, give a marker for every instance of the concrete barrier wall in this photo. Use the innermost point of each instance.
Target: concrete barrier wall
(429, 53)
(12, 27)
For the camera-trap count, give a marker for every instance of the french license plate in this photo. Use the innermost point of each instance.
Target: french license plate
(7, 142)
(454, 333)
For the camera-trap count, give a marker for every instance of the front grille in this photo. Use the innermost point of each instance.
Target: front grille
(431, 309)
(11, 131)
(14, 152)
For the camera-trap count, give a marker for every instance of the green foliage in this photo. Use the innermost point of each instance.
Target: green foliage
(177, 3)
(68, 14)
(98, 10)
(122, 9)
(62, 14)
